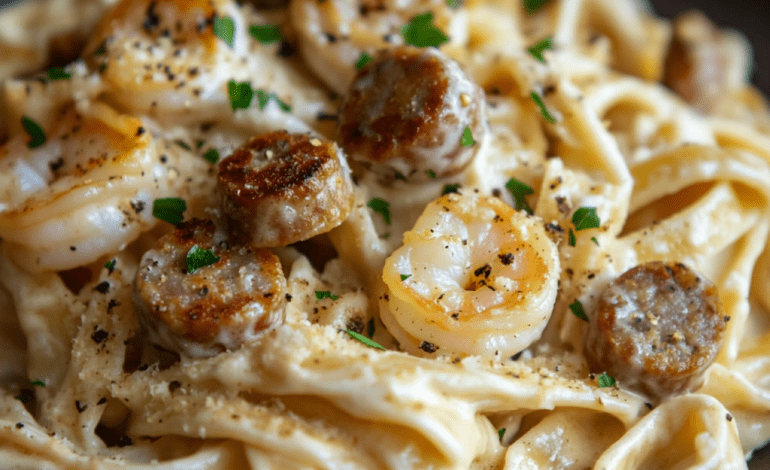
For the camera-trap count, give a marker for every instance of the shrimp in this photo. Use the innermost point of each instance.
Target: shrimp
(406, 115)
(473, 277)
(282, 188)
(86, 191)
(334, 34)
(233, 300)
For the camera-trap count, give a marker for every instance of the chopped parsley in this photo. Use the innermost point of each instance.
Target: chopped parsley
(58, 73)
(543, 110)
(431, 174)
(323, 294)
(198, 258)
(593, 239)
(518, 191)
(36, 134)
(577, 310)
(363, 59)
(169, 209)
(606, 380)
(370, 331)
(537, 49)
(182, 144)
(211, 156)
(199, 144)
(264, 97)
(572, 239)
(240, 94)
(533, 6)
(37, 383)
(404, 277)
(266, 33)
(453, 3)
(467, 140)
(364, 339)
(110, 265)
(501, 433)
(585, 218)
(25, 395)
(380, 206)
(421, 32)
(450, 188)
(224, 29)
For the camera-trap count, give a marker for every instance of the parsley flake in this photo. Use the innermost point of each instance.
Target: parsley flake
(404, 277)
(198, 258)
(323, 294)
(370, 328)
(501, 433)
(453, 3)
(364, 339)
(199, 144)
(25, 395)
(363, 59)
(224, 29)
(182, 144)
(36, 134)
(240, 94)
(572, 239)
(264, 97)
(37, 383)
(380, 206)
(421, 32)
(467, 140)
(58, 73)
(537, 49)
(110, 265)
(577, 310)
(518, 191)
(431, 174)
(593, 239)
(450, 188)
(606, 380)
(585, 218)
(169, 209)
(211, 156)
(543, 110)
(266, 33)
(533, 6)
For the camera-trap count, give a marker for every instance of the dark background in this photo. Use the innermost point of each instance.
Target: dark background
(752, 18)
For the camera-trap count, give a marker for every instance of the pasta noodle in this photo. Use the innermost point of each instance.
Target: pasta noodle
(437, 322)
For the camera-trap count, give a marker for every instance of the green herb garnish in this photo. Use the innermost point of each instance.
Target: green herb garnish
(370, 330)
(450, 188)
(182, 144)
(36, 134)
(58, 73)
(264, 97)
(240, 94)
(110, 265)
(453, 3)
(380, 206)
(585, 218)
(572, 239)
(404, 277)
(266, 33)
(199, 144)
(169, 209)
(364, 339)
(533, 6)
(606, 380)
(421, 32)
(467, 139)
(518, 191)
(501, 433)
(431, 174)
(198, 258)
(323, 294)
(543, 110)
(224, 29)
(37, 383)
(211, 156)
(363, 59)
(537, 49)
(577, 310)
(593, 239)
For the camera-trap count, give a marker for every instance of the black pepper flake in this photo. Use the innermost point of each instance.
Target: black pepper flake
(125, 441)
(729, 417)
(330, 37)
(267, 295)
(112, 304)
(648, 405)
(486, 270)
(102, 401)
(99, 335)
(506, 258)
(137, 206)
(727, 318)
(151, 19)
(56, 164)
(103, 287)
(516, 356)
(19, 425)
(322, 116)
(286, 49)
(429, 348)
(80, 407)
(288, 297)
(140, 131)
(204, 291)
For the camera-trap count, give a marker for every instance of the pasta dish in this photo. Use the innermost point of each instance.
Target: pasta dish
(338, 234)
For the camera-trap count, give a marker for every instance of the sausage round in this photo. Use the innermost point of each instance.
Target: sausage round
(656, 329)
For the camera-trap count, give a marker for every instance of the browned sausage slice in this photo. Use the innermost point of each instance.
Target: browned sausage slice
(656, 329)
(282, 188)
(217, 307)
(406, 112)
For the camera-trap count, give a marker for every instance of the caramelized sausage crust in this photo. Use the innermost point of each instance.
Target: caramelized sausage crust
(656, 329)
(217, 307)
(406, 112)
(282, 188)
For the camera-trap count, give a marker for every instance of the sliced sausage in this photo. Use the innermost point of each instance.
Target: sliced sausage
(282, 188)
(406, 112)
(215, 308)
(656, 329)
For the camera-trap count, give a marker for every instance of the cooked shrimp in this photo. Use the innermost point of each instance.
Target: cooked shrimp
(334, 33)
(282, 188)
(220, 306)
(406, 114)
(474, 276)
(86, 191)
